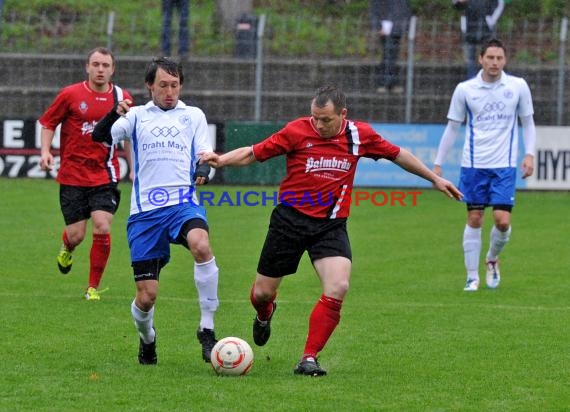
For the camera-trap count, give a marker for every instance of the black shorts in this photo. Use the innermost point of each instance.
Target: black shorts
(77, 202)
(291, 233)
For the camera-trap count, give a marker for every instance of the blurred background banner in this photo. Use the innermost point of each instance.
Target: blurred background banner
(20, 154)
(552, 161)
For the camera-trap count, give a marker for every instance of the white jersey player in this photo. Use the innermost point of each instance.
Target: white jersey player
(166, 136)
(491, 104)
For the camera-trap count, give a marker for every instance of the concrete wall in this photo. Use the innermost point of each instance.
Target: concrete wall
(225, 88)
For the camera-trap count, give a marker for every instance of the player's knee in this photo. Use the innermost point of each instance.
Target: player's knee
(75, 237)
(200, 249)
(102, 228)
(340, 289)
(503, 226)
(263, 291)
(146, 274)
(145, 299)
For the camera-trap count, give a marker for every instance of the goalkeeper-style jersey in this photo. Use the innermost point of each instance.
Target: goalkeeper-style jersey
(165, 146)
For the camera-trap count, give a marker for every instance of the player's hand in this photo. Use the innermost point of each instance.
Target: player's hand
(123, 107)
(46, 161)
(445, 186)
(202, 175)
(213, 159)
(527, 166)
(437, 170)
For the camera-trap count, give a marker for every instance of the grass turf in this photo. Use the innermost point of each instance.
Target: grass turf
(409, 338)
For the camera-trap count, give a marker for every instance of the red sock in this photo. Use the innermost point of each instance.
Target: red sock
(322, 323)
(65, 241)
(100, 251)
(263, 309)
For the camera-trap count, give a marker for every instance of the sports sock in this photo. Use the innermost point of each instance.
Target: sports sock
(472, 250)
(263, 309)
(66, 243)
(322, 322)
(143, 323)
(100, 251)
(497, 243)
(206, 280)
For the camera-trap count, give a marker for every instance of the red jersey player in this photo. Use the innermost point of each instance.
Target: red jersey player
(89, 172)
(322, 152)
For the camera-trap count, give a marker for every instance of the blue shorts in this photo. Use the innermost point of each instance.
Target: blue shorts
(488, 187)
(151, 233)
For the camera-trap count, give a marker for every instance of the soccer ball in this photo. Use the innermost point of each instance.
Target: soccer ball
(232, 356)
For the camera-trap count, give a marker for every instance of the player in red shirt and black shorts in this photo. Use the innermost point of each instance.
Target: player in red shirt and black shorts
(322, 153)
(88, 171)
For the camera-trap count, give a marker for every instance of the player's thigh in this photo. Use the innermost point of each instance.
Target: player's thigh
(474, 184)
(74, 203)
(148, 237)
(334, 273)
(283, 246)
(105, 198)
(503, 186)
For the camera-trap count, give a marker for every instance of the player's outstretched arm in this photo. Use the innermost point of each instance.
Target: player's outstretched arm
(238, 157)
(412, 164)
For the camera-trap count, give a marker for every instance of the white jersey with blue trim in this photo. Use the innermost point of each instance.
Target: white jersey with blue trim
(164, 148)
(491, 112)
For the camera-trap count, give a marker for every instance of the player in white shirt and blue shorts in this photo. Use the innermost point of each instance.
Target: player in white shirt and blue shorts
(491, 105)
(166, 137)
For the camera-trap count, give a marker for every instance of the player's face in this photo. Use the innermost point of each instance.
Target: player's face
(100, 69)
(492, 62)
(165, 90)
(326, 119)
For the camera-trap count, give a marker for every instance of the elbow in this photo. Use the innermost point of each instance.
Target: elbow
(101, 137)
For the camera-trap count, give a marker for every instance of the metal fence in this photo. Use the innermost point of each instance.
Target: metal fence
(59, 30)
(431, 59)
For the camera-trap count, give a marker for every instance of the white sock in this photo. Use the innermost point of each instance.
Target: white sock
(206, 280)
(497, 243)
(472, 250)
(143, 323)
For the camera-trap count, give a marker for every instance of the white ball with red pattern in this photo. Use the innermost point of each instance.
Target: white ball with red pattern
(232, 356)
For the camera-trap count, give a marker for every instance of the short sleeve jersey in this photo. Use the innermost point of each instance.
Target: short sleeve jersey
(491, 112)
(165, 146)
(83, 162)
(320, 171)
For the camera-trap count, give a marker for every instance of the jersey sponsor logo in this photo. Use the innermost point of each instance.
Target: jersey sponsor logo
(170, 144)
(323, 163)
(493, 112)
(165, 131)
(494, 107)
(87, 127)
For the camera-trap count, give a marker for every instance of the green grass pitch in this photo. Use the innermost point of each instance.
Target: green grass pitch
(409, 340)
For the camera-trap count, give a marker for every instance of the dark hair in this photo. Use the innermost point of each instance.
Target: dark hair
(103, 50)
(332, 93)
(492, 43)
(168, 65)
